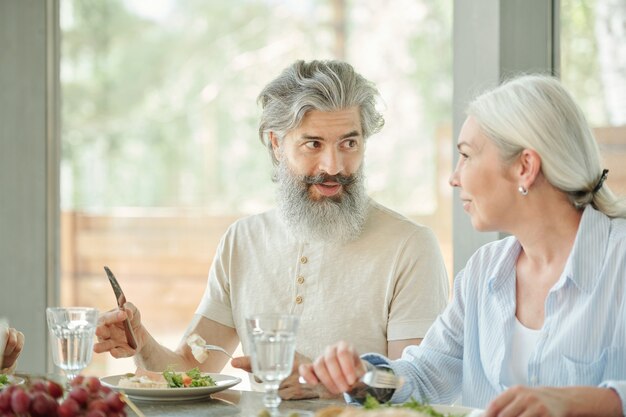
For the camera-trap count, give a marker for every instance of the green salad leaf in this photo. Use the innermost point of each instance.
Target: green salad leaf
(173, 378)
(372, 403)
(4, 380)
(177, 379)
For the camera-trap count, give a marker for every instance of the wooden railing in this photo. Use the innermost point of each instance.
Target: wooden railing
(161, 260)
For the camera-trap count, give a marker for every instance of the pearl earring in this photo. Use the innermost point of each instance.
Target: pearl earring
(522, 190)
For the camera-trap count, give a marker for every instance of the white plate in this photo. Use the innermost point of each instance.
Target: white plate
(457, 410)
(173, 394)
(13, 380)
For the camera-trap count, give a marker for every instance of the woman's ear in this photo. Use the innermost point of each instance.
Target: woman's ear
(275, 145)
(529, 168)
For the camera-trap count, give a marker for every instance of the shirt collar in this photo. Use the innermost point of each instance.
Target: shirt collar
(504, 269)
(584, 263)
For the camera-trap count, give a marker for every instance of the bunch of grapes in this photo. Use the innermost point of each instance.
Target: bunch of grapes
(86, 397)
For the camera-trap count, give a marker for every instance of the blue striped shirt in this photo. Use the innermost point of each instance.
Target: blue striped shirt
(582, 341)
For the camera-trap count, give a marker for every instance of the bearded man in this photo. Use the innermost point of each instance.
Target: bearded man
(348, 267)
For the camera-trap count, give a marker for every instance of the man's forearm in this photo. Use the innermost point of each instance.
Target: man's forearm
(156, 357)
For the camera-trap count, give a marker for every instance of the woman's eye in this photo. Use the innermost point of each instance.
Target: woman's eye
(463, 155)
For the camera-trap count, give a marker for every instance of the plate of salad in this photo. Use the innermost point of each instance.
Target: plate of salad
(170, 385)
(6, 380)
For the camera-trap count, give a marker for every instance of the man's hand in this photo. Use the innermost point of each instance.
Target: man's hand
(339, 369)
(12, 350)
(111, 335)
(555, 402)
(290, 388)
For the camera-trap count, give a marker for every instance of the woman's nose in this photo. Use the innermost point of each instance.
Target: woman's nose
(454, 177)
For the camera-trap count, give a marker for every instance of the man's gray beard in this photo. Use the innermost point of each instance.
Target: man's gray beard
(324, 220)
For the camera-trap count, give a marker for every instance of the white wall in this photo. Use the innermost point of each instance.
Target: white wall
(28, 171)
(493, 39)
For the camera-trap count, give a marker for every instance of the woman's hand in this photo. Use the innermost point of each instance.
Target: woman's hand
(555, 402)
(339, 369)
(12, 350)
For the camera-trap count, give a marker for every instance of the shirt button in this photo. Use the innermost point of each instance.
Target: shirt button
(299, 299)
(300, 280)
(303, 259)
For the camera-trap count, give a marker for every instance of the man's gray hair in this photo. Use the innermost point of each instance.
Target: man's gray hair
(315, 85)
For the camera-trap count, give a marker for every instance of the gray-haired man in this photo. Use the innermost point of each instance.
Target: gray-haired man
(347, 266)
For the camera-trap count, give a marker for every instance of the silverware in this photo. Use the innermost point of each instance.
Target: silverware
(216, 348)
(131, 404)
(121, 300)
(380, 378)
(376, 378)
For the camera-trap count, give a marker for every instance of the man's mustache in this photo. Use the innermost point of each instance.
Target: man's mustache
(324, 177)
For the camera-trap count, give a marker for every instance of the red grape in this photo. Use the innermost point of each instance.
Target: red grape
(96, 413)
(20, 401)
(98, 404)
(78, 380)
(55, 390)
(79, 394)
(5, 400)
(38, 385)
(68, 408)
(43, 405)
(93, 384)
(114, 401)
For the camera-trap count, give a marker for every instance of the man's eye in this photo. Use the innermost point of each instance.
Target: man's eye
(463, 155)
(312, 144)
(351, 143)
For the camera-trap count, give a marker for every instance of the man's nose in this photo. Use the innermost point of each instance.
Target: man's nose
(331, 162)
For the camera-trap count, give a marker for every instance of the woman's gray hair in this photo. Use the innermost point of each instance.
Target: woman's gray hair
(536, 112)
(315, 85)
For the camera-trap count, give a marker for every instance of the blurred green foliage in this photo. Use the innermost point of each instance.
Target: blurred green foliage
(159, 98)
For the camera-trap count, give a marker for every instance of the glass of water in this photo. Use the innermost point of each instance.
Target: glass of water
(72, 332)
(272, 348)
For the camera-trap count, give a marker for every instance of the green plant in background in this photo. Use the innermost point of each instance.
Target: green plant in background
(159, 110)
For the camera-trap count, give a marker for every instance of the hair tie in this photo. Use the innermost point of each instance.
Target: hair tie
(605, 173)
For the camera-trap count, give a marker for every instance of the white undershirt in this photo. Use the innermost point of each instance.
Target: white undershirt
(515, 367)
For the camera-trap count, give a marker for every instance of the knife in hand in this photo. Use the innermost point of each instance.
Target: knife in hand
(121, 300)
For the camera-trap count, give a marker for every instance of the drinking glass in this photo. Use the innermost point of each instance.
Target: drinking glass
(72, 332)
(272, 349)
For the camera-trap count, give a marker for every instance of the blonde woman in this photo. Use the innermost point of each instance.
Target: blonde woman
(537, 325)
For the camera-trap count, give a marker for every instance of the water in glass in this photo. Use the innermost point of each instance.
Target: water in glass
(272, 347)
(273, 358)
(71, 337)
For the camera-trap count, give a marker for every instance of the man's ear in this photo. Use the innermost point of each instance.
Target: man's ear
(275, 145)
(529, 167)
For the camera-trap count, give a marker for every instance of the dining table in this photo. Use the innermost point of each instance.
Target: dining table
(227, 402)
(231, 402)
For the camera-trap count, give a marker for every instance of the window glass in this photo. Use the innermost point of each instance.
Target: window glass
(593, 67)
(160, 151)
